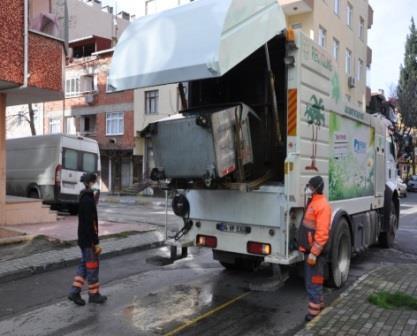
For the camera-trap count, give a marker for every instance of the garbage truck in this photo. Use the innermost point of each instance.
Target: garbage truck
(265, 110)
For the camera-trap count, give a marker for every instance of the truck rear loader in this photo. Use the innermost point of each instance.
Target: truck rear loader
(265, 110)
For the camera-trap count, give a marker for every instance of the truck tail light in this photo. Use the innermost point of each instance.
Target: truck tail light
(258, 248)
(207, 241)
(58, 171)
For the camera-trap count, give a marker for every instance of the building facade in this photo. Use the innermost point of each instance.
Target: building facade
(340, 27)
(72, 22)
(32, 57)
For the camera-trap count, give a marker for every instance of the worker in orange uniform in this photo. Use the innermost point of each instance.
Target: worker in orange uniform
(313, 237)
(88, 241)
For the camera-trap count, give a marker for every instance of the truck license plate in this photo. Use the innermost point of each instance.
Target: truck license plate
(234, 228)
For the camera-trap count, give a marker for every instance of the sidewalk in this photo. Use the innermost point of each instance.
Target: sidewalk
(352, 314)
(54, 259)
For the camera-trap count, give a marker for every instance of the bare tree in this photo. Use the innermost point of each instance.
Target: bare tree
(16, 119)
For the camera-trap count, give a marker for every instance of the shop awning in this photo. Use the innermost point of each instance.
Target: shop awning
(203, 39)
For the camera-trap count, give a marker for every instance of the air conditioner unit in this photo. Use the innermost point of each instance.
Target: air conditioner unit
(89, 99)
(351, 82)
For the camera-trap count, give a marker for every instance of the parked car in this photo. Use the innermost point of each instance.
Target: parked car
(49, 167)
(401, 187)
(412, 183)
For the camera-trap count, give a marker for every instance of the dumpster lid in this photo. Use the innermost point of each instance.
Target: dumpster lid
(204, 39)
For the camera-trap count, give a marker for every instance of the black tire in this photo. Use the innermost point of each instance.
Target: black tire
(340, 254)
(33, 193)
(386, 239)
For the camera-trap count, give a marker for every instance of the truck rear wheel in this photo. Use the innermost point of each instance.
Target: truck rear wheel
(340, 253)
(386, 239)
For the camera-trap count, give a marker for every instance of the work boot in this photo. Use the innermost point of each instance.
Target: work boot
(309, 317)
(77, 299)
(97, 298)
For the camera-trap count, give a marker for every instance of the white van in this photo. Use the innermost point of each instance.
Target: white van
(49, 167)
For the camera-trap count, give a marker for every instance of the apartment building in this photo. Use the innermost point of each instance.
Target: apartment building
(88, 110)
(31, 70)
(340, 27)
(155, 103)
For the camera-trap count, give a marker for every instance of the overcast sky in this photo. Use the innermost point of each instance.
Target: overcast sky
(386, 38)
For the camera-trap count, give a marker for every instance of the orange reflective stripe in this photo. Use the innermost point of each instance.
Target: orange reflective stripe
(310, 224)
(93, 291)
(91, 264)
(316, 249)
(317, 280)
(292, 112)
(77, 284)
(79, 279)
(96, 285)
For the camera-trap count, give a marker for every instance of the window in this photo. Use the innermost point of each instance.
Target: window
(114, 123)
(151, 102)
(70, 160)
(89, 162)
(54, 126)
(337, 7)
(322, 37)
(348, 62)
(349, 13)
(359, 71)
(72, 87)
(86, 83)
(336, 48)
(70, 124)
(362, 29)
(77, 160)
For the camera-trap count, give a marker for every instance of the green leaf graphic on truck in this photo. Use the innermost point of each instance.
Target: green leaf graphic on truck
(315, 118)
(352, 159)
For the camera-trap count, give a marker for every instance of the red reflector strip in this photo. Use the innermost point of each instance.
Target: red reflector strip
(292, 112)
(258, 248)
(207, 241)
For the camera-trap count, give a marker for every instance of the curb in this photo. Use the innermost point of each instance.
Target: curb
(29, 271)
(16, 239)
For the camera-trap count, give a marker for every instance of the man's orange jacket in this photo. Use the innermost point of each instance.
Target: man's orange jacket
(314, 231)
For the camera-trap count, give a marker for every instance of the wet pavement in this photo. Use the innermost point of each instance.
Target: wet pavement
(195, 296)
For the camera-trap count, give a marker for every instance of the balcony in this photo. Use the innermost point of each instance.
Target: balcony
(370, 17)
(296, 7)
(368, 57)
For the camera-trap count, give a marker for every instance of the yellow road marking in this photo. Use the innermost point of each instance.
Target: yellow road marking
(209, 313)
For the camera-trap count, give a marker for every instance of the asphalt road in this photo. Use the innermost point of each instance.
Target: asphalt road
(194, 296)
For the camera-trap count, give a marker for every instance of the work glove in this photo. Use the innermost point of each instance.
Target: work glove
(97, 250)
(311, 260)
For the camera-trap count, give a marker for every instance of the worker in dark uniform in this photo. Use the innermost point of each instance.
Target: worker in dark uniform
(88, 268)
(313, 237)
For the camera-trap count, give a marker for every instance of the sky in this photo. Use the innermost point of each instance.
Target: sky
(386, 38)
